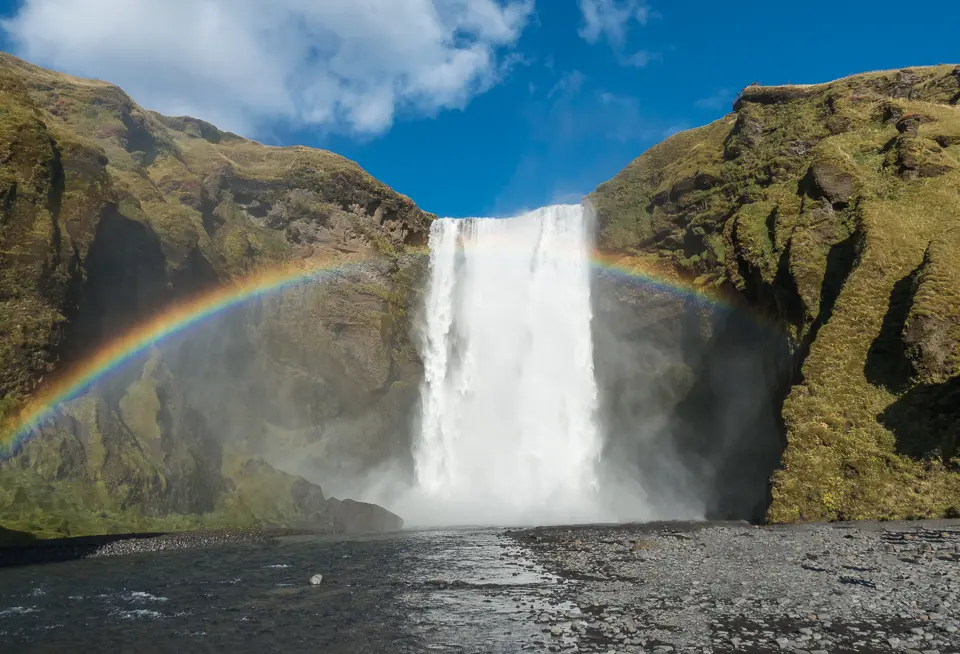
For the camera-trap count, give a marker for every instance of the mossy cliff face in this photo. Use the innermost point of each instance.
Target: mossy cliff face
(834, 212)
(110, 213)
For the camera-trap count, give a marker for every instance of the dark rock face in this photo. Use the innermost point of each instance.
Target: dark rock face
(831, 182)
(691, 399)
(909, 125)
(903, 86)
(770, 95)
(350, 517)
(309, 497)
(341, 516)
(915, 155)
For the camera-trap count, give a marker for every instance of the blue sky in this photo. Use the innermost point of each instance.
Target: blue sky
(470, 107)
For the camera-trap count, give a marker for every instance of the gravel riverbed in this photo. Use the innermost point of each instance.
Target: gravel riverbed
(714, 587)
(733, 587)
(190, 540)
(85, 547)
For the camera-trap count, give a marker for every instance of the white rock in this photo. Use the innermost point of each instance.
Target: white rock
(316, 579)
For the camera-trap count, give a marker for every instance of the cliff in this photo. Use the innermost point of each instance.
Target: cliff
(108, 215)
(833, 212)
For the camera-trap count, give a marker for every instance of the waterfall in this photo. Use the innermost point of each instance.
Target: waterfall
(508, 431)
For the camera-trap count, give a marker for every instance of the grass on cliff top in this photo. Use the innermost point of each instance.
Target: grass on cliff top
(622, 201)
(154, 160)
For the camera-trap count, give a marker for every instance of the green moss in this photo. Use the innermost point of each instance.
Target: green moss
(752, 234)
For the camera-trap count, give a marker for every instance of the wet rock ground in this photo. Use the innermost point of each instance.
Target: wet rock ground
(733, 587)
(630, 588)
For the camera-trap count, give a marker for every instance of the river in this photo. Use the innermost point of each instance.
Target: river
(457, 591)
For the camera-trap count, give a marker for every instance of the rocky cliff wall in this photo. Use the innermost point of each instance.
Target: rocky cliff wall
(109, 215)
(829, 212)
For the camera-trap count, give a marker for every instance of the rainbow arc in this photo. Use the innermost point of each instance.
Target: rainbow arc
(76, 379)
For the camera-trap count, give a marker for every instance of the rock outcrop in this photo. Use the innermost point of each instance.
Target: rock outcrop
(832, 211)
(110, 214)
(354, 517)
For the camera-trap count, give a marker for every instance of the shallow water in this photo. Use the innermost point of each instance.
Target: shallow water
(459, 590)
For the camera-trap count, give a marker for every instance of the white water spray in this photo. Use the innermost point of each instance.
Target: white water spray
(509, 429)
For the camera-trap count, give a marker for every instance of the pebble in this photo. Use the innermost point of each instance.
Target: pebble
(103, 546)
(721, 587)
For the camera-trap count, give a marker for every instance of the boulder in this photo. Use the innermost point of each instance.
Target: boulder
(829, 181)
(909, 124)
(903, 84)
(349, 517)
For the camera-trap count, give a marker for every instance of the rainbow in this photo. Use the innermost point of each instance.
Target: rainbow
(656, 278)
(78, 378)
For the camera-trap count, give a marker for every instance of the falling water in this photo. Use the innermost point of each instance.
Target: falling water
(508, 424)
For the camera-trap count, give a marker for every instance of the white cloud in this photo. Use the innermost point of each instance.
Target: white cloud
(640, 58)
(719, 100)
(610, 19)
(670, 130)
(247, 64)
(568, 85)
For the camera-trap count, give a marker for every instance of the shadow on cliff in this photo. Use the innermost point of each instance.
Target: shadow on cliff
(926, 421)
(887, 364)
(728, 427)
(14, 538)
(691, 397)
(127, 281)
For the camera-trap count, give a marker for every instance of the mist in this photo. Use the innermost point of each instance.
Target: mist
(682, 394)
(690, 397)
(525, 388)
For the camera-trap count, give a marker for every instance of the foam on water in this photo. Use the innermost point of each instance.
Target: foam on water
(140, 596)
(509, 431)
